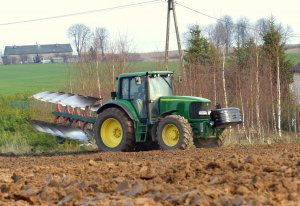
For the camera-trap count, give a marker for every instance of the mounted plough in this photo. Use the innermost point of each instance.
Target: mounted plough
(73, 115)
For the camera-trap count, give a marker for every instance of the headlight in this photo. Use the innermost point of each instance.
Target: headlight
(204, 112)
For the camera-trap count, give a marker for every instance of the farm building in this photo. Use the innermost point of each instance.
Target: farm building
(47, 53)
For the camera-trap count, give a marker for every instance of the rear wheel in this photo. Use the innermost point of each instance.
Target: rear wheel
(174, 132)
(114, 131)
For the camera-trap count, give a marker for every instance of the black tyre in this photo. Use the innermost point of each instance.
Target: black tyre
(208, 143)
(114, 131)
(174, 132)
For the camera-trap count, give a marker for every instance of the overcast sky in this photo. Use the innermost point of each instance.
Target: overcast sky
(144, 24)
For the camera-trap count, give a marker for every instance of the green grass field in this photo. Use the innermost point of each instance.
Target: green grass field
(33, 78)
(295, 57)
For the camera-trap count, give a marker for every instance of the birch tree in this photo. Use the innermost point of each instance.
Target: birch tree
(273, 47)
(228, 26)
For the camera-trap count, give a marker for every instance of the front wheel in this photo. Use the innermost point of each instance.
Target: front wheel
(174, 132)
(114, 131)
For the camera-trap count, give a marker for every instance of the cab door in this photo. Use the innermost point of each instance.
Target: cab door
(133, 90)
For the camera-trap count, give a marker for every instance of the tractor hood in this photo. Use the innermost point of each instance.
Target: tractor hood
(183, 99)
(181, 104)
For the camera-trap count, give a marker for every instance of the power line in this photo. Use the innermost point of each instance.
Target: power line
(212, 17)
(222, 20)
(81, 13)
(199, 12)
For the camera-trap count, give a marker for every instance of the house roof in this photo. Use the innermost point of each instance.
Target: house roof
(37, 49)
(296, 69)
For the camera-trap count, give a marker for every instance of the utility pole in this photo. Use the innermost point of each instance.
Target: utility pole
(171, 7)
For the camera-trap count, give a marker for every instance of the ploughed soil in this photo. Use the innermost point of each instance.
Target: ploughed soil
(244, 175)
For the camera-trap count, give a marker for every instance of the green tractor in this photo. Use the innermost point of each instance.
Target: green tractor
(142, 111)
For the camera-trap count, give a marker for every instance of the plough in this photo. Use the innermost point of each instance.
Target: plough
(72, 115)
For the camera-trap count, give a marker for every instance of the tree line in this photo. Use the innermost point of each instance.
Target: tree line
(244, 65)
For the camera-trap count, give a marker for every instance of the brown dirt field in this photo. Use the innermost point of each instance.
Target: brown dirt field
(245, 175)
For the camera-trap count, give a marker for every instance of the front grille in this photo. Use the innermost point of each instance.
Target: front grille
(199, 110)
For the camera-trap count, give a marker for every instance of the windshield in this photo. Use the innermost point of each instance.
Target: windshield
(160, 86)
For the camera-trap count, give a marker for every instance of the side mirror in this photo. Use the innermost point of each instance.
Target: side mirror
(113, 95)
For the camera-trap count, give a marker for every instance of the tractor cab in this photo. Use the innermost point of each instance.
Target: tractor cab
(143, 90)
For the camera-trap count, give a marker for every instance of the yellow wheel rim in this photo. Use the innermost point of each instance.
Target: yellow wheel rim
(111, 132)
(170, 135)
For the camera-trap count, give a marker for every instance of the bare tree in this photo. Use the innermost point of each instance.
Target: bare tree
(286, 32)
(229, 30)
(80, 35)
(96, 43)
(262, 25)
(218, 35)
(242, 31)
(223, 33)
(124, 48)
(101, 34)
(209, 31)
(118, 56)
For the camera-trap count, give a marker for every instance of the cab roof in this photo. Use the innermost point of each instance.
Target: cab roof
(138, 74)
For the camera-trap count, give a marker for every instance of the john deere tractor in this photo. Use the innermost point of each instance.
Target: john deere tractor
(143, 109)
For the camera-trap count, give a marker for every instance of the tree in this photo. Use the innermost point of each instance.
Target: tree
(209, 31)
(229, 29)
(79, 35)
(218, 35)
(273, 48)
(242, 31)
(198, 47)
(262, 26)
(101, 36)
(223, 33)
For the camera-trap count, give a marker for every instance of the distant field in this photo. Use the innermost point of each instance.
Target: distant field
(32, 78)
(295, 57)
